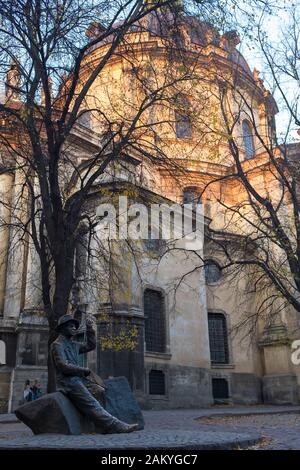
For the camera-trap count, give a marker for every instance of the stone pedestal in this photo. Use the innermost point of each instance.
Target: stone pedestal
(53, 413)
(279, 385)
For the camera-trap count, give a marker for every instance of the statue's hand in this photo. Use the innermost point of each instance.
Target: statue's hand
(89, 324)
(86, 372)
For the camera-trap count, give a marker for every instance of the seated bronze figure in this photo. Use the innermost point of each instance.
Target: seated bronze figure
(73, 381)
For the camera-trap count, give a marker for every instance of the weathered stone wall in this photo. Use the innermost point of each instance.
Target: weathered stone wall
(5, 377)
(186, 387)
(280, 389)
(246, 389)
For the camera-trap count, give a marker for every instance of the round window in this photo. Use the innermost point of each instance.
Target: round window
(213, 271)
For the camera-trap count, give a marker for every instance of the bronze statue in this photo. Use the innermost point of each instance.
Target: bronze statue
(72, 379)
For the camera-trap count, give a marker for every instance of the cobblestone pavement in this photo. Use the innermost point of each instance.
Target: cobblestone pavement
(279, 431)
(278, 426)
(155, 440)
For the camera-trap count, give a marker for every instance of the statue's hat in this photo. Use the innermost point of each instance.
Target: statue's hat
(65, 319)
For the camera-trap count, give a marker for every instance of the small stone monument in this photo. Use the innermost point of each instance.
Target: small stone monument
(77, 405)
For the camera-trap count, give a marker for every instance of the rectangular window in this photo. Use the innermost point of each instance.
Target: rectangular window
(183, 126)
(157, 382)
(220, 389)
(218, 340)
(155, 327)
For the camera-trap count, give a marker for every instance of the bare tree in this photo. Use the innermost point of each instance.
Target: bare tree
(46, 67)
(256, 190)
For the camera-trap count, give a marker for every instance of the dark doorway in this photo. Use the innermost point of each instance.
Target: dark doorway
(220, 390)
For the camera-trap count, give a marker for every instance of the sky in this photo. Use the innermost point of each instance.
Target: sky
(275, 25)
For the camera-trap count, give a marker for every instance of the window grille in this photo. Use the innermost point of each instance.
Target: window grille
(155, 334)
(183, 124)
(218, 340)
(248, 139)
(212, 272)
(157, 382)
(220, 389)
(191, 194)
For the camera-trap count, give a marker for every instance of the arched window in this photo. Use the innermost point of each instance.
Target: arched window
(191, 194)
(177, 37)
(218, 338)
(212, 271)
(272, 129)
(155, 325)
(248, 139)
(182, 119)
(85, 119)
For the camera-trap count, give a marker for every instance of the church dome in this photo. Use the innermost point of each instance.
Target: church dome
(169, 26)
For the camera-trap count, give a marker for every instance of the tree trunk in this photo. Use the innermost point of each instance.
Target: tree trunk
(51, 385)
(63, 286)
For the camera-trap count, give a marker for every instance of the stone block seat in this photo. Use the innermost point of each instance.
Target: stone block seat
(55, 413)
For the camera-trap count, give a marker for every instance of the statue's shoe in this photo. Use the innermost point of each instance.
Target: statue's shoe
(120, 427)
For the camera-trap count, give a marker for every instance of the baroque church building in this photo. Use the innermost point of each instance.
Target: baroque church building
(181, 312)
